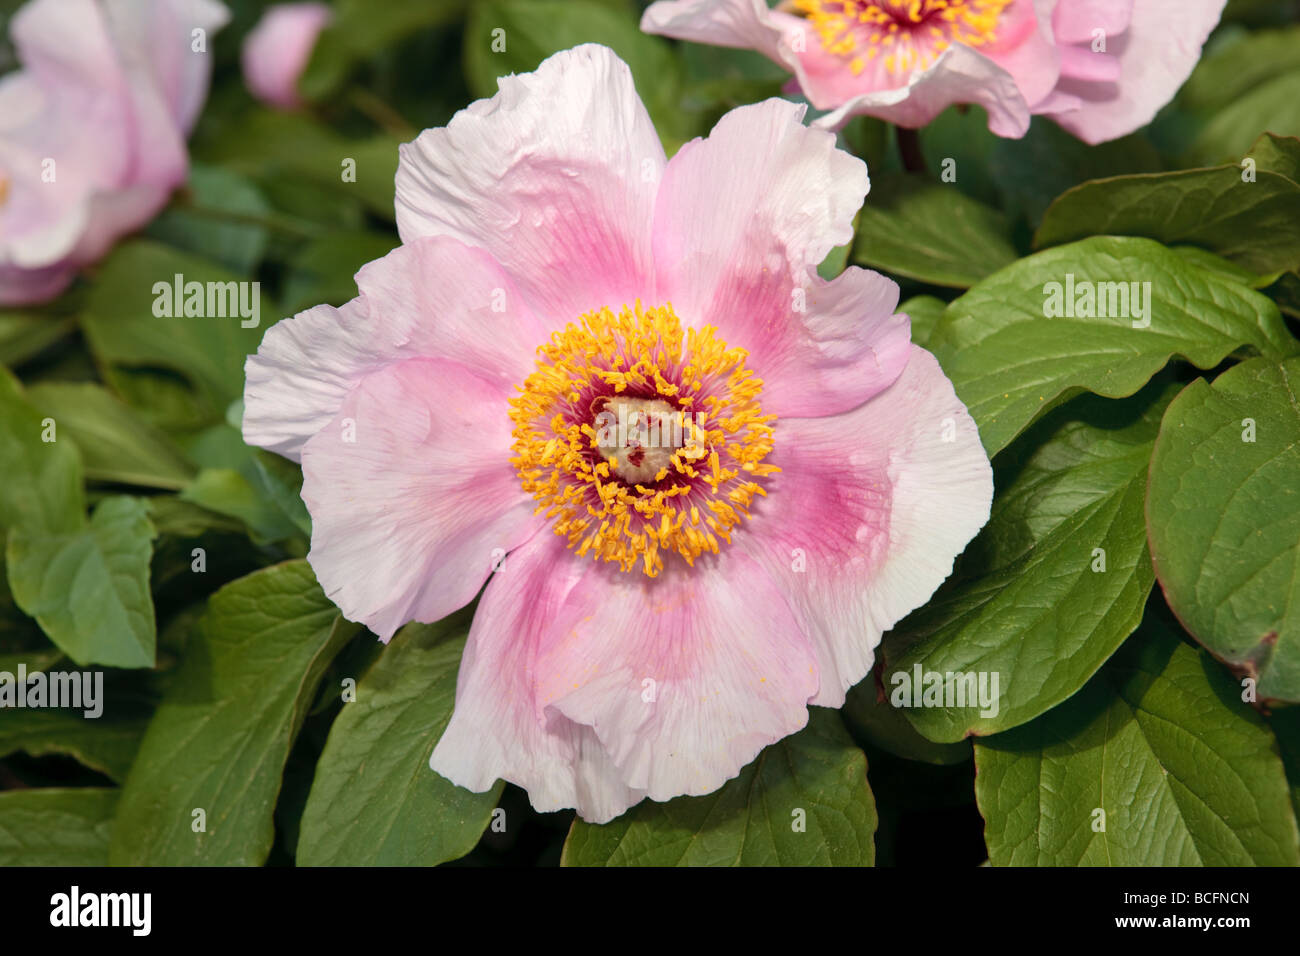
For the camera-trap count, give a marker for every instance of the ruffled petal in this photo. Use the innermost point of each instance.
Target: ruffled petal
(742, 221)
(747, 24)
(867, 514)
(555, 176)
(1074, 21)
(679, 681)
(959, 75)
(496, 730)
(685, 677)
(431, 298)
(412, 495)
(1155, 55)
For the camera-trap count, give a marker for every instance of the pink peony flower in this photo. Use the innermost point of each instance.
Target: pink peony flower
(671, 599)
(276, 51)
(1099, 68)
(92, 129)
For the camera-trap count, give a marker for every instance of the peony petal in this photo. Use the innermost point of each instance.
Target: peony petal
(870, 509)
(555, 176)
(746, 24)
(959, 75)
(685, 677)
(430, 298)
(1156, 54)
(278, 48)
(412, 494)
(1075, 21)
(1026, 47)
(496, 730)
(742, 221)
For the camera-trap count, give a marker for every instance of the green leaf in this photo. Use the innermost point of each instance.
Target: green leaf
(25, 334)
(873, 718)
(107, 743)
(1010, 360)
(42, 487)
(323, 270)
(925, 312)
(1271, 107)
(1223, 513)
(208, 222)
(817, 776)
(361, 29)
(1209, 262)
(220, 738)
(115, 444)
(1161, 742)
(89, 589)
(1286, 725)
(1232, 69)
(267, 145)
(930, 231)
(1033, 605)
(374, 801)
(56, 827)
(535, 29)
(1032, 171)
(1255, 224)
(209, 350)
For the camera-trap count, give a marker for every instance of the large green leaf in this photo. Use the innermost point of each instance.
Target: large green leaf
(374, 800)
(1185, 773)
(1270, 107)
(1033, 171)
(42, 486)
(816, 779)
(1223, 514)
(89, 589)
(930, 231)
(1037, 604)
(116, 445)
(208, 350)
(925, 311)
(220, 738)
(107, 743)
(56, 827)
(1253, 223)
(871, 717)
(1010, 361)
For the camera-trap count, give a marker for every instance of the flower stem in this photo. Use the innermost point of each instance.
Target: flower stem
(909, 149)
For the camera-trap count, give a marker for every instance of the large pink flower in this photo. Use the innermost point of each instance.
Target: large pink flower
(791, 478)
(92, 129)
(1100, 68)
(277, 50)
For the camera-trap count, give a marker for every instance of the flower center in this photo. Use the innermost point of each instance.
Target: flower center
(4, 188)
(906, 35)
(638, 437)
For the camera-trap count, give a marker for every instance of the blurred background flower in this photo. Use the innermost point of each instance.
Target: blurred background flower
(93, 128)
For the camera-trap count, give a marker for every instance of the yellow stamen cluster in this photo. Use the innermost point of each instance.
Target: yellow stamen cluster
(711, 477)
(4, 187)
(906, 34)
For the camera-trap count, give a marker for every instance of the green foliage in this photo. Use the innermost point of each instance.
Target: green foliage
(142, 539)
(1183, 773)
(1224, 512)
(803, 802)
